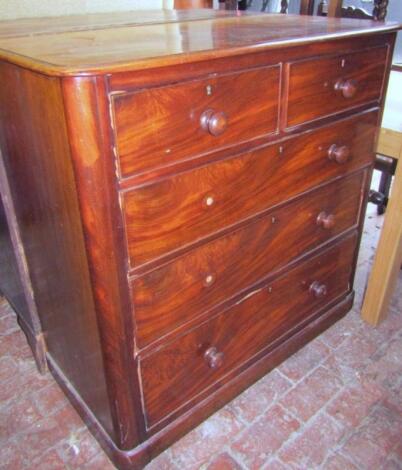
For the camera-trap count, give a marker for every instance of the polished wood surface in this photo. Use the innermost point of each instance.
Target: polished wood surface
(99, 217)
(33, 134)
(138, 253)
(97, 49)
(178, 372)
(94, 21)
(165, 216)
(148, 138)
(232, 264)
(324, 86)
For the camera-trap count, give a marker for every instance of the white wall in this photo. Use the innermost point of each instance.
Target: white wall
(27, 8)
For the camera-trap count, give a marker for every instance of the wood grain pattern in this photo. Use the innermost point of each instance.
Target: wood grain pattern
(312, 84)
(148, 122)
(228, 269)
(95, 21)
(86, 115)
(176, 373)
(112, 49)
(170, 214)
(36, 157)
(227, 266)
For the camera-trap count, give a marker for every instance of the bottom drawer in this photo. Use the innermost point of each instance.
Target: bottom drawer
(179, 371)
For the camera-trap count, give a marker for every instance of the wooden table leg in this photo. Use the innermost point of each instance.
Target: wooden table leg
(388, 258)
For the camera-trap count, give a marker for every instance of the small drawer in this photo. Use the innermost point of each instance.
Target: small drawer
(165, 216)
(188, 286)
(160, 126)
(324, 86)
(178, 372)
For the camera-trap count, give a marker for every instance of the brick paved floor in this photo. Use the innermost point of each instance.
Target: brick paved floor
(335, 405)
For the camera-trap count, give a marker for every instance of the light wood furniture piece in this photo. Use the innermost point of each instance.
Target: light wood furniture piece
(184, 4)
(388, 258)
(190, 188)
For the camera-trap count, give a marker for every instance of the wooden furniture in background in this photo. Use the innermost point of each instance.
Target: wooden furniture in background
(183, 4)
(335, 8)
(189, 206)
(15, 284)
(388, 258)
(306, 6)
(384, 164)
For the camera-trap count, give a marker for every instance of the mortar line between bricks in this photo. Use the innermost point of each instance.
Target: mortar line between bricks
(293, 385)
(235, 457)
(248, 424)
(339, 445)
(304, 426)
(273, 458)
(310, 372)
(333, 454)
(16, 438)
(356, 430)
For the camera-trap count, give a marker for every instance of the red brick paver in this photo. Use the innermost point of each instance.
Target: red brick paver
(334, 405)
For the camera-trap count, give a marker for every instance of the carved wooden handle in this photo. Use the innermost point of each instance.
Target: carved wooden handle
(325, 220)
(213, 358)
(340, 154)
(348, 88)
(214, 122)
(318, 290)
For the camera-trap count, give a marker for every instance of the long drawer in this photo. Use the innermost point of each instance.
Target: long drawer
(159, 126)
(327, 85)
(194, 283)
(177, 211)
(176, 373)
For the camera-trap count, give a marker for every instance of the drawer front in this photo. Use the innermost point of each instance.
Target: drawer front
(184, 368)
(164, 216)
(324, 86)
(159, 126)
(179, 291)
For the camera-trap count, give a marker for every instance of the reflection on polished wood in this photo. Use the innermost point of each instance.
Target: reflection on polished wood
(111, 42)
(191, 198)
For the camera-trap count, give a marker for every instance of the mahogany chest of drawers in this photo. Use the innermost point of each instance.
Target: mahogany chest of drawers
(188, 189)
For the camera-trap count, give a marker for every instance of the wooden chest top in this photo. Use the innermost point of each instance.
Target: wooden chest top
(103, 43)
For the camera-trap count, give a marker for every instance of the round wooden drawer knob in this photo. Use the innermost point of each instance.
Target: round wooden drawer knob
(339, 153)
(214, 122)
(325, 220)
(318, 290)
(213, 358)
(348, 88)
